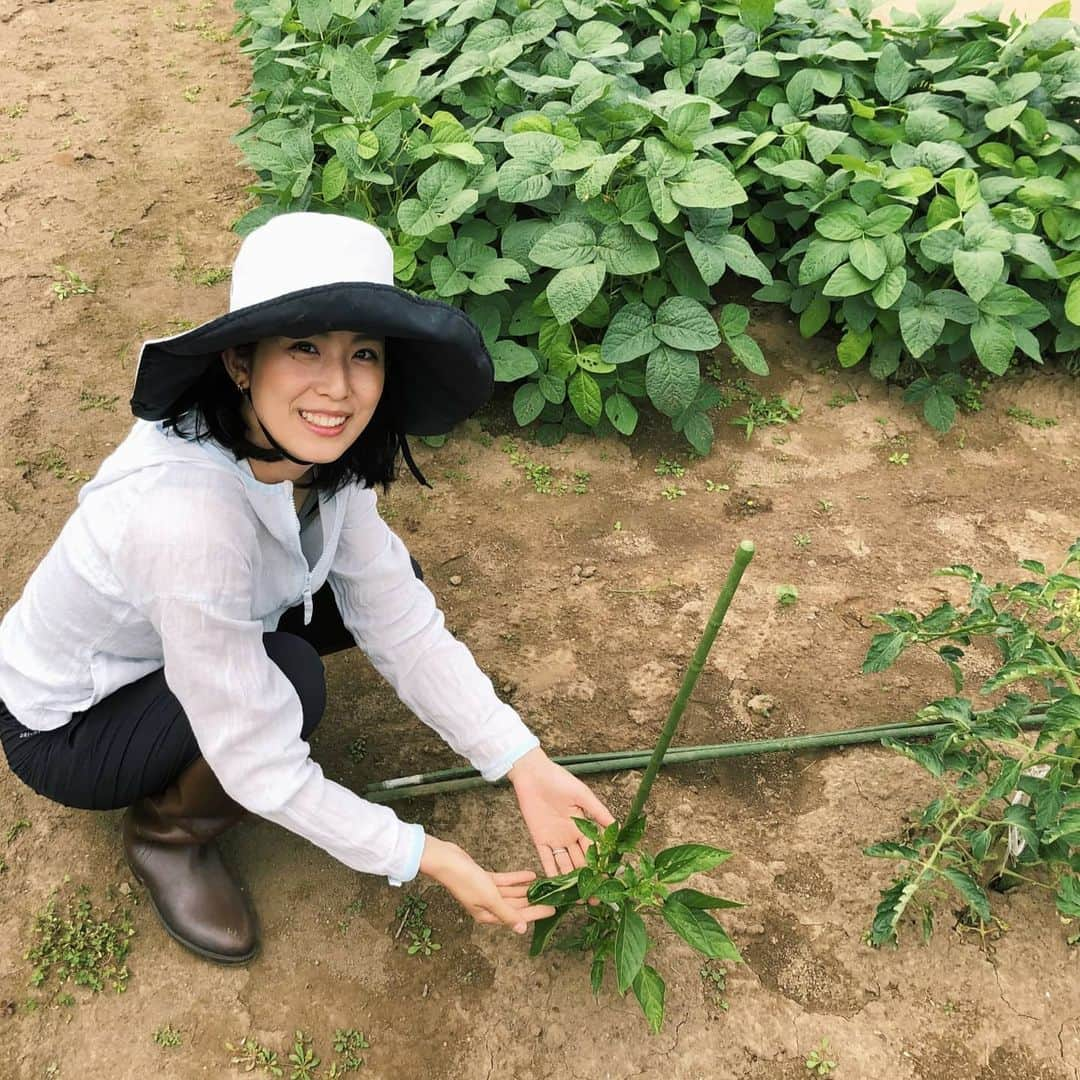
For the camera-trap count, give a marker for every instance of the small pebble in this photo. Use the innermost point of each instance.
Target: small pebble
(125, 889)
(455, 579)
(575, 570)
(588, 571)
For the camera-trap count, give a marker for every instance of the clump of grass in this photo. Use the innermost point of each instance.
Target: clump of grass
(168, 1037)
(1026, 416)
(763, 412)
(70, 284)
(72, 943)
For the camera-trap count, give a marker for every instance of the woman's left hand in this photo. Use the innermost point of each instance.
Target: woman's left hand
(550, 798)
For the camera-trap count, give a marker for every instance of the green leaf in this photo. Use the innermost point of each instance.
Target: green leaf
(625, 252)
(529, 403)
(912, 183)
(887, 219)
(747, 351)
(315, 15)
(978, 271)
(1068, 896)
(353, 80)
(847, 281)
(994, 343)
(999, 119)
(571, 290)
(683, 323)
(883, 651)
(631, 943)
(629, 335)
(672, 377)
(1072, 302)
(543, 929)
(334, 177)
(679, 862)
(649, 990)
(800, 91)
(939, 409)
(892, 76)
(821, 259)
(584, 395)
(868, 257)
(563, 246)
(699, 930)
(512, 361)
(622, 413)
(846, 224)
(920, 328)
(890, 288)
(691, 898)
(969, 889)
(852, 347)
(894, 902)
(756, 14)
(707, 184)
(815, 316)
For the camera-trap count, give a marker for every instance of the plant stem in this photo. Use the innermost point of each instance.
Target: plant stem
(743, 554)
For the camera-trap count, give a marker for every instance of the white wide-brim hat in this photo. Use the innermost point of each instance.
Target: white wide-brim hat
(306, 273)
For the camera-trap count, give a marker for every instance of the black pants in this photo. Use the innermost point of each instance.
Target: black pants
(138, 740)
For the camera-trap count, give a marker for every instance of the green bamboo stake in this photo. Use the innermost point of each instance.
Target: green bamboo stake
(452, 780)
(743, 554)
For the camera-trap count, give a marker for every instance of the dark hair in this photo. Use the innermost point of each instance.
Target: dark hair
(211, 409)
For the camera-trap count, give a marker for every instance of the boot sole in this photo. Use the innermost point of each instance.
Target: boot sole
(206, 954)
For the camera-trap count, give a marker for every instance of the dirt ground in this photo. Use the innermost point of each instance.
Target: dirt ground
(115, 163)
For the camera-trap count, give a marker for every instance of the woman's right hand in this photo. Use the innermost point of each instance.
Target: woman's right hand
(486, 896)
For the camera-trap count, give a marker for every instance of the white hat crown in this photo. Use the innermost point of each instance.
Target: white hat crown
(304, 250)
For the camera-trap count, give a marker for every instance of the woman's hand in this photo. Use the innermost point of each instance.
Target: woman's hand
(487, 897)
(550, 797)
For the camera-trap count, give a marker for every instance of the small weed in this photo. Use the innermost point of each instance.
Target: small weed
(64, 143)
(818, 1062)
(669, 468)
(539, 476)
(714, 982)
(423, 943)
(357, 750)
(484, 439)
(787, 595)
(3, 865)
(711, 485)
(214, 275)
(764, 411)
(53, 461)
(191, 94)
(671, 492)
(899, 458)
(581, 482)
(303, 1058)
(65, 1001)
(839, 400)
(348, 1042)
(1026, 416)
(168, 1036)
(9, 156)
(14, 829)
(802, 540)
(73, 945)
(354, 907)
(70, 284)
(411, 913)
(15, 111)
(251, 1055)
(617, 527)
(105, 402)
(824, 507)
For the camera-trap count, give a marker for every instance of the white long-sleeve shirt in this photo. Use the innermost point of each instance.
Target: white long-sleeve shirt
(177, 557)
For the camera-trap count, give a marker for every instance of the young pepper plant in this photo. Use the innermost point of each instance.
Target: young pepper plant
(1009, 809)
(621, 884)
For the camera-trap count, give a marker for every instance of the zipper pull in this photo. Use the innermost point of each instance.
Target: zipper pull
(309, 604)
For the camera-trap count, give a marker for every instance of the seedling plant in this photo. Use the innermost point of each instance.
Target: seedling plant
(621, 882)
(1008, 811)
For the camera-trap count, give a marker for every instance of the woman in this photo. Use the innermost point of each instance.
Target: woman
(164, 656)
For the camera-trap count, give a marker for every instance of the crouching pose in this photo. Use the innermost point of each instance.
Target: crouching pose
(165, 654)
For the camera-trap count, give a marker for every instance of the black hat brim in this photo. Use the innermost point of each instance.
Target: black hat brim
(442, 370)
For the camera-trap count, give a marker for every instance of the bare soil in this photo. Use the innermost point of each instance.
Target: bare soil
(115, 162)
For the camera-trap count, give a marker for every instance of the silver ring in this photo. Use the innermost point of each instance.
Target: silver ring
(556, 850)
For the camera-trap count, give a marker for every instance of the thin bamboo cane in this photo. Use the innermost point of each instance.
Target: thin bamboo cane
(414, 787)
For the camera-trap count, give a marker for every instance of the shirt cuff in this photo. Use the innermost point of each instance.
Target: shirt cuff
(501, 766)
(410, 867)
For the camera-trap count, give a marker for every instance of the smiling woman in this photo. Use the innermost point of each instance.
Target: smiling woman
(165, 655)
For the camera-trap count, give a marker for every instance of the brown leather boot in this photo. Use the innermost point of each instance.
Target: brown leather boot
(169, 844)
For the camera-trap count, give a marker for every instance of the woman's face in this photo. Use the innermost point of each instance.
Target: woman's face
(316, 394)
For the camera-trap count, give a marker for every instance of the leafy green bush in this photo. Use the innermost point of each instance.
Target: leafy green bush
(580, 174)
